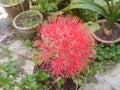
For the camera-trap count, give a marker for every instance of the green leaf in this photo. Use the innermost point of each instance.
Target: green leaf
(100, 57)
(42, 75)
(36, 58)
(10, 68)
(28, 42)
(28, 83)
(111, 12)
(87, 4)
(93, 26)
(77, 81)
(60, 83)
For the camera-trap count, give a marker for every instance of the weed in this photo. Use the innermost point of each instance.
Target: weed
(88, 74)
(37, 81)
(28, 43)
(29, 20)
(108, 52)
(8, 73)
(47, 5)
(5, 52)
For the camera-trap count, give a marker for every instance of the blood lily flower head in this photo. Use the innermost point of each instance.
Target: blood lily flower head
(67, 45)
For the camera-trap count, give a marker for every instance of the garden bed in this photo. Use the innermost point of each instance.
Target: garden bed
(59, 58)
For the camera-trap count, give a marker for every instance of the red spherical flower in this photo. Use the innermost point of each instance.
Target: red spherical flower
(68, 43)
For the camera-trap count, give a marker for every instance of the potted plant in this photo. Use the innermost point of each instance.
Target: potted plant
(27, 21)
(14, 7)
(110, 30)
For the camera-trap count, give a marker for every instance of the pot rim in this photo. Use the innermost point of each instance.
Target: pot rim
(15, 4)
(105, 41)
(26, 28)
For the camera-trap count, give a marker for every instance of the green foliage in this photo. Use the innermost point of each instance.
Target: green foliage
(108, 52)
(10, 68)
(8, 73)
(5, 52)
(30, 19)
(42, 75)
(82, 13)
(78, 81)
(93, 26)
(40, 79)
(36, 58)
(47, 5)
(88, 74)
(37, 81)
(28, 43)
(111, 12)
(60, 83)
(28, 83)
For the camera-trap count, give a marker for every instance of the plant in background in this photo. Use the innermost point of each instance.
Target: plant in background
(28, 43)
(111, 12)
(6, 52)
(8, 73)
(67, 46)
(9, 78)
(108, 52)
(38, 81)
(88, 74)
(47, 5)
(29, 83)
(82, 13)
(29, 19)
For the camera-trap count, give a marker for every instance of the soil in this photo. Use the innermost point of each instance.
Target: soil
(68, 84)
(115, 33)
(28, 20)
(118, 21)
(63, 4)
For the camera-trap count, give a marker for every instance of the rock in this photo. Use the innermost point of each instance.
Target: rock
(1, 88)
(9, 45)
(28, 67)
(2, 60)
(3, 14)
(5, 36)
(108, 81)
(19, 48)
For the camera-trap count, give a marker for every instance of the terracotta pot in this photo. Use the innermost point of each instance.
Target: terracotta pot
(14, 9)
(105, 41)
(27, 32)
